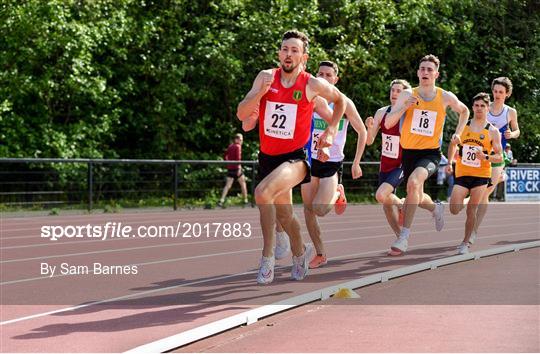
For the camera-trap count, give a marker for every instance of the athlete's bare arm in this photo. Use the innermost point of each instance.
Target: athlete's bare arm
(325, 112)
(497, 146)
(260, 87)
(373, 125)
(356, 121)
(513, 122)
(404, 101)
(321, 87)
(450, 100)
(251, 122)
(322, 109)
(452, 146)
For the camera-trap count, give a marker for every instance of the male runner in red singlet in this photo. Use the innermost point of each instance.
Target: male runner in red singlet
(284, 99)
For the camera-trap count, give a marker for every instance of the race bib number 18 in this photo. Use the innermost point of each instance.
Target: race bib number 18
(280, 120)
(390, 146)
(468, 157)
(423, 122)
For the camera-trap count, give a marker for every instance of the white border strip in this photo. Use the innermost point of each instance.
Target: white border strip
(252, 316)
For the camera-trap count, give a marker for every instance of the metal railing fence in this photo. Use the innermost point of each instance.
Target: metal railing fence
(92, 183)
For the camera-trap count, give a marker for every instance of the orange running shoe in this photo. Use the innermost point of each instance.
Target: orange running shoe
(341, 202)
(317, 261)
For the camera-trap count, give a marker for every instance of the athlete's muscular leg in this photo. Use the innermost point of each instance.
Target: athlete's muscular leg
(314, 229)
(228, 183)
(427, 203)
(472, 209)
(415, 191)
(243, 186)
(281, 180)
(459, 193)
(496, 177)
(390, 201)
(326, 195)
(290, 222)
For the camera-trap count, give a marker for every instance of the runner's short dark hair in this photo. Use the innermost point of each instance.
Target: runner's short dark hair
(503, 81)
(482, 96)
(401, 82)
(298, 35)
(431, 58)
(330, 64)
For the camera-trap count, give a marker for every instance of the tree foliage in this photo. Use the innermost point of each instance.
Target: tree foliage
(162, 79)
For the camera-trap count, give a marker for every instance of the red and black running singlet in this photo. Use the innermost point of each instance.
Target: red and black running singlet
(390, 147)
(285, 116)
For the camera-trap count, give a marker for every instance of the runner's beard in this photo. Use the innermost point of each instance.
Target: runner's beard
(288, 70)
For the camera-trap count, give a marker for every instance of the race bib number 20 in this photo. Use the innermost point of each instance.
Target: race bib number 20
(423, 122)
(280, 120)
(469, 156)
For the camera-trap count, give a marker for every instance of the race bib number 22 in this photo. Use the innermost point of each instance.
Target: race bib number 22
(280, 120)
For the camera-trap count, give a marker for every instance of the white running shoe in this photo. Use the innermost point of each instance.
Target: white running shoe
(400, 245)
(266, 270)
(463, 248)
(300, 266)
(472, 239)
(283, 245)
(438, 215)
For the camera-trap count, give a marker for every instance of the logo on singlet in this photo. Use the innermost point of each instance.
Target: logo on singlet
(297, 95)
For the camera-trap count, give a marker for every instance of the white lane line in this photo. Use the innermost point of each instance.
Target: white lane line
(377, 223)
(73, 308)
(205, 217)
(168, 244)
(170, 260)
(253, 315)
(255, 221)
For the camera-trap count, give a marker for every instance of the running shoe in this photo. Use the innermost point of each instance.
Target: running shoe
(266, 270)
(463, 248)
(472, 239)
(300, 266)
(341, 202)
(438, 215)
(399, 246)
(283, 245)
(318, 261)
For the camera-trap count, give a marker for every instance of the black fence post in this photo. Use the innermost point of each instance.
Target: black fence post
(90, 182)
(175, 187)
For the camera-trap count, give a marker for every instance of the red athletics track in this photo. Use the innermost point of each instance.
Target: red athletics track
(183, 283)
(488, 305)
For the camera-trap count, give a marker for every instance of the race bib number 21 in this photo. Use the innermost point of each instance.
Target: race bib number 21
(280, 120)
(390, 146)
